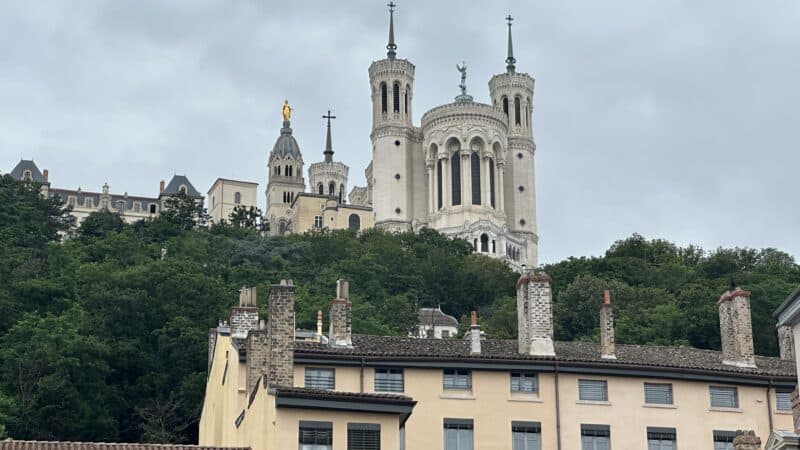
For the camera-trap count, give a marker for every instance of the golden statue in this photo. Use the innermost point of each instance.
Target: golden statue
(287, 110)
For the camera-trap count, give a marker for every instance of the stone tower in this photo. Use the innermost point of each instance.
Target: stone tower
(285, 177)
(329, 177)
(392, 84)
(513, 93)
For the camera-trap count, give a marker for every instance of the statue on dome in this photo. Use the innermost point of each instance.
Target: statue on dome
(287, 111)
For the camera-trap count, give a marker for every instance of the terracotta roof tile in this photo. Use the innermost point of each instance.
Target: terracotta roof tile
(10, 444)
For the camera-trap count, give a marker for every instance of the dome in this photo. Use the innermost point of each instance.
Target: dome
(286, 145)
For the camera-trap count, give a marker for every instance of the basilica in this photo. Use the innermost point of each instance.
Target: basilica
(467, 170)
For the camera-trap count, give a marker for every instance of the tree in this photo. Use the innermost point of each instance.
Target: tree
(101, 222)
(184, 212)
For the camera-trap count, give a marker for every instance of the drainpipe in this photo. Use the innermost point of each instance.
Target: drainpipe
(558, 413)
(769, 405)
(361, 374)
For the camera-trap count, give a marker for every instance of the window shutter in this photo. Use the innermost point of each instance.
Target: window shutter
(658, 394)
(724, 397)
(593, 390)
(783, 401)
(363, 436)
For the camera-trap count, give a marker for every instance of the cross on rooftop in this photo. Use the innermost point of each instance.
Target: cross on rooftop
(329, 117)
(391, 6)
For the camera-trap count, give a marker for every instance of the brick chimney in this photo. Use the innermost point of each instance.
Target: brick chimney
(280, 331)
(607, 327)
(340, 315)
(786, 342)
(45, 174)
(535, 314)
(161, 186)
(747, 440)
(244, 317)
(736, 328)
(474, 335)
(319, 326)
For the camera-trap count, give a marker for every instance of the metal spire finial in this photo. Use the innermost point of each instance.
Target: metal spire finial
(510, 59)
(391, 46)
(328, 146)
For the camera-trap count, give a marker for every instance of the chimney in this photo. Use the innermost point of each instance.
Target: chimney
(474, 335)
(786, 342)
(280, 331)
(340, 316)
(161, 186)
(45, 174)
(244, 317)
(535, 314)
(319, 325)
(607, 327)
(736, 328)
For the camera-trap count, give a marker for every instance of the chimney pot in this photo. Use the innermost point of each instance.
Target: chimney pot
(161, 186)
(340, 315)
(45, 174)
(474, 335)
(473, 318)
(607, 340)
(607, 297)
(342, 289)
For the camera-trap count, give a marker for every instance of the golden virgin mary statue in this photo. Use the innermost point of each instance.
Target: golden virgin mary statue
(287, 110)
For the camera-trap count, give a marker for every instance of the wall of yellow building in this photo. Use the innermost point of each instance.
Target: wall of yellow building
(288, 423)
(307, 207)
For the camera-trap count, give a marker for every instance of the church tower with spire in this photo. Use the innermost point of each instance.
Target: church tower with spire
(512, 92)
(285, 176)
(397, 178)
(329, 177)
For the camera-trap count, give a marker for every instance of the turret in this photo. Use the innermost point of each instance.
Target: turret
(329, 177)
(285, 175)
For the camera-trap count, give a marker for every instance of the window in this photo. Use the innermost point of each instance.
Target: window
(458, 434)
(516, 111)
(153, 208)
(439, 184)
(317, 221)
(383, 98)
(595, 437)
(783, 401)
(659, 438)
(363, 436)
(27, 176)
(723, 440)
(182, 189)
(237, 198)
(137, 206)
(120, 205)
(491, 182)
(396, 97)
(354, 222)
(524, 382)
(724, 397)
(593, 390)
(331, 188)
(484, 243)
(526, 435)
(658, 394)
(315, 435)
(505, 105)
(457, 379)
(445, 334)
(88, 202)
(320, 189)
(405, 100)
(455, 163)
(389, 380)
(475, 166)
(317, 378)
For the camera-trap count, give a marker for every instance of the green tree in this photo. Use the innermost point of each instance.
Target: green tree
(99, 223)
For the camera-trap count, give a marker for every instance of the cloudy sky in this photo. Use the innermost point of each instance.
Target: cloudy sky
(673, 119)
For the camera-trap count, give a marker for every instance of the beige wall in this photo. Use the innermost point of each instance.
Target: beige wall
(222, 196)
(334, 217)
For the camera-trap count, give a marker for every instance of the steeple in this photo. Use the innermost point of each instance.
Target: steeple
(391, 46)
(510, 58)
(328, 145)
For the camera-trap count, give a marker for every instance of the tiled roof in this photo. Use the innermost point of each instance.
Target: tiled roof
(435, 317)
(391, 347)
(81, 197)
(26, 164)
(10, 444)
(180, 180)
(323, 394)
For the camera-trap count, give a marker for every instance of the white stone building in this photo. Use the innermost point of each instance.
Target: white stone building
(226, 195)
(433, 323)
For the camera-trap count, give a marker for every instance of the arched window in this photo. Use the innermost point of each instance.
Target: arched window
(475, 244)
(321, 189)
(405, 102)
(281, 228)
(484, 243)
(439, 184)
(455, 175)
(384, 98)
(505, 105)
(396, 97)
(237, 197)
(475, 163)
(182, 189)
(341, 193)
(491, 182)
(528, 112)
(27, 175)
(516, 111)
(354, 222)
(331, 188)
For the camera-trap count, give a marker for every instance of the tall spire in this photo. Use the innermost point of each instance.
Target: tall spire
(391, 47)
(510, 59)
(328, 146)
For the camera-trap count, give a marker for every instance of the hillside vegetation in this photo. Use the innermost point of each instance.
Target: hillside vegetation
(103, 336)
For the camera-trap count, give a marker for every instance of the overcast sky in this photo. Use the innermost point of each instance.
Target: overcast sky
(673, 119)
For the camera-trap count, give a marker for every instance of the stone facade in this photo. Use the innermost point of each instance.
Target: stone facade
(285, 180)
(747, 440)
(786, 342)
(257, 357)
(341, 317)
(535, 314)
(280, 331)
(736, 330)
(607, 350)
(474, 335)
(226, 195)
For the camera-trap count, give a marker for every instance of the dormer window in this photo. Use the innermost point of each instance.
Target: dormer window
(27, 175)
(120, 206)
(182, 189)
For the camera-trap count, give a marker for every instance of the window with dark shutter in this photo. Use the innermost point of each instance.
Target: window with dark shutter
(595, 437)
(388, 380)
(396, 97)
(526, 436)
(455, 168)
(723, 440)
(593, 390)
(659, 438)
(383, 97)
(317, 378)
(457, 379)
(658, 393)
(491, 182)
(524, 382)
(783, 401)
(439, 184)
(475, 169)
(315, 435)
(724, 397)
(363, 436)
(458, 434)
